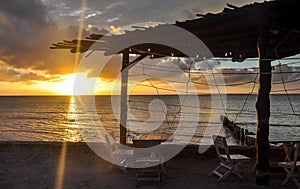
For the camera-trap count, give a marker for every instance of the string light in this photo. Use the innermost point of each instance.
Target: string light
(224, 59)
(243, 111)
(172, 113)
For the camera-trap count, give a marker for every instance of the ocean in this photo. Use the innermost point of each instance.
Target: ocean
(75, 119)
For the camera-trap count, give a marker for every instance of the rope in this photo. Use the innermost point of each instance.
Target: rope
(244, 104)
(283, 83)
(191, 72)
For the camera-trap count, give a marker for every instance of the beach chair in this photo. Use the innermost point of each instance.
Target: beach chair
(229, 163)
(119, 156)
(151, 169)
(290, 166)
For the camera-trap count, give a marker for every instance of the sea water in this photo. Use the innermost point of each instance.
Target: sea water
(66, 118)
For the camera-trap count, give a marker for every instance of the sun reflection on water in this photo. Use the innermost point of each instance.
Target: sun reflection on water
(71, 133)
(72, 109)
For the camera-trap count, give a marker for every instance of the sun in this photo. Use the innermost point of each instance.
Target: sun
(77, 84)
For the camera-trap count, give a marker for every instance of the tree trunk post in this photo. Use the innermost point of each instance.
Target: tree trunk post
(124, 106)
(263, 111)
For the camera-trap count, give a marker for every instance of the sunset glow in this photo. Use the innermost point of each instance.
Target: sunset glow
(76, 84)
(29, 67)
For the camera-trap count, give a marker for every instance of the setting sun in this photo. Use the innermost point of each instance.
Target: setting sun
(77, 84)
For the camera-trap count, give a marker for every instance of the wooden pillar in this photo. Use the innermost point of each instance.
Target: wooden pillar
(123, 113)
(263, 111)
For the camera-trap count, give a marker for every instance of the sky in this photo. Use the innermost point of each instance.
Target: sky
(28, 28)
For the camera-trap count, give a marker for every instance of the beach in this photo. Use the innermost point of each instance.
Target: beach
(74, 165)
(148, 74)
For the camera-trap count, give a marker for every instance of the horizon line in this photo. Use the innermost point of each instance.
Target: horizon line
(40, 95)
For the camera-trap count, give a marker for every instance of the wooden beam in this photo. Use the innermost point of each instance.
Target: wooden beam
(126, 65)
(263, 111)
(124, 106)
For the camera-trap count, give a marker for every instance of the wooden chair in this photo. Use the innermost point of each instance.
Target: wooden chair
(151, 169)
(119, 156)
(290, 166)
(229, 163)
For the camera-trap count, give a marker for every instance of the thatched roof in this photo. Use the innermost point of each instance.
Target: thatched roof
(231, 33)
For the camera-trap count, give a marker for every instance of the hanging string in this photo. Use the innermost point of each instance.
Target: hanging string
(246, 99)
(283, 84)
(289, 63)
(157, 92)
(282, 90)
(219, 93)
(184, 99)
(159, 68)
(191, 73)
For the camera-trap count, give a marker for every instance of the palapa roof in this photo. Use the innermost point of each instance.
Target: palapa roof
(233, 33)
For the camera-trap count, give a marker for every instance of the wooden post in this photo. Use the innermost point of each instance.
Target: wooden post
(123, 113)
(242, 136)
(246, 136)
(263, 111)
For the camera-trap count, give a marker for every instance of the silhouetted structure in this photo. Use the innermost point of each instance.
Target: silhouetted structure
(267, 30)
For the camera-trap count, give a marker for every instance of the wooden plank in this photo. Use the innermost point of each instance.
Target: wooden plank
(145, 143)
(153, 136)
(150, 139)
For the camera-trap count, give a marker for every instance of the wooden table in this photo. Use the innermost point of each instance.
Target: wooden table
(288, 144)
(150, 140)
(276, 139)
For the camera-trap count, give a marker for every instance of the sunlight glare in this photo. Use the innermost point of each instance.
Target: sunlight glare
(84, 85)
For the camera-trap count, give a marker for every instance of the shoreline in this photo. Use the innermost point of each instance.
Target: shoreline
(74, 165)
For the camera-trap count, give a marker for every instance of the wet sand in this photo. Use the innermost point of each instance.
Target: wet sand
(74, 165)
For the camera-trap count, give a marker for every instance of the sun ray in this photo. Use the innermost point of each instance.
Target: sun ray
(61, 167)
(80, 31)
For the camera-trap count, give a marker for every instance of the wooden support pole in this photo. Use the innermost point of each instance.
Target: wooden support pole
(242, 136)
(123, 113)
(263, 111)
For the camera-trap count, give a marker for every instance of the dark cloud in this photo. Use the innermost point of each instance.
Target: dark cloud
(12, 75)
(26, 33)
(285, 73)
(29, 27)
(238, 76)
(21, 20)
(117, 12)
(244, 78)
(281, 74)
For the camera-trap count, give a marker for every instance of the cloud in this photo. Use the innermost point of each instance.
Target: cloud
(236, 76)
(112, 19)
(102, 12)
(27, 31)
(8, 74)
(243, 79)
(29, 27)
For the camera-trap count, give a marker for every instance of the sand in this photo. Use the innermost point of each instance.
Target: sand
(41, 165)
